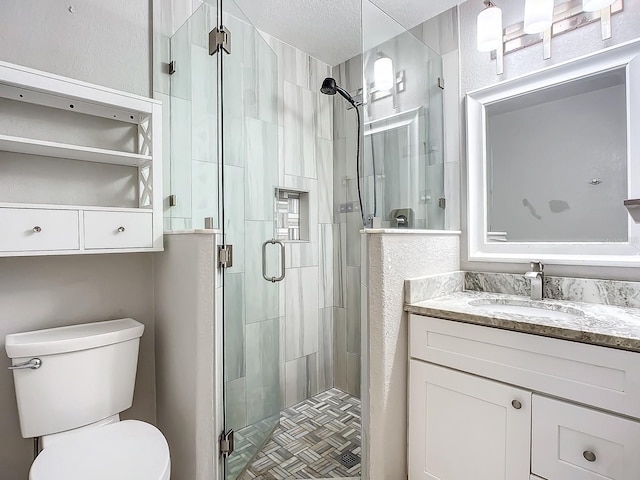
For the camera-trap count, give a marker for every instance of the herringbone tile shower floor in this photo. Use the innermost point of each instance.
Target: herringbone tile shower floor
(310, 439)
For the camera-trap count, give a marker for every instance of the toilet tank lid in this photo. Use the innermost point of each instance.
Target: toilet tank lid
(72, 338)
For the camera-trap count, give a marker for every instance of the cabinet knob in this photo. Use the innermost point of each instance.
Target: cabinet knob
(589, 456)
(121, 229)
(37, 229)
(516, 404)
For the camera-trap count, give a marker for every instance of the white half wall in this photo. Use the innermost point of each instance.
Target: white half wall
(185, 279)
(392, 258)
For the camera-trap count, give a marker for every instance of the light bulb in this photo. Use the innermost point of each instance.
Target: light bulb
(594, 5)
(383, 76)
(490, 29)
(538, 15)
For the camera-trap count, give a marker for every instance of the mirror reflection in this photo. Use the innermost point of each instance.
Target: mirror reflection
(557, 163)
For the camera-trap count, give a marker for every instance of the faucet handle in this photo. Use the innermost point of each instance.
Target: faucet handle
(537, 266)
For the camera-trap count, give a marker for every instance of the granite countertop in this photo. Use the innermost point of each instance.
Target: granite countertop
(604, 325)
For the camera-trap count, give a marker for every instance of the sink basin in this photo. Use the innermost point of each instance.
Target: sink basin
(528, 308)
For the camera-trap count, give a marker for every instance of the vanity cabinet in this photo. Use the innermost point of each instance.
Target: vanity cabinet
(462, 426)
(61, 191)
(492, 404)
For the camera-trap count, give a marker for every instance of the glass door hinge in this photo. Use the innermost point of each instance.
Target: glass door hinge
(441, 82)
(219, 39)
(173, 200)
(172, 67)
(226, 443)
(442, 202)
(225, 256)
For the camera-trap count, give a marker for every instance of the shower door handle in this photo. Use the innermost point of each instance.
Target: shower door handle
(273, 241)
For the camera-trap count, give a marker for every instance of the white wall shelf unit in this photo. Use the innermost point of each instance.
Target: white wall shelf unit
(28, 229)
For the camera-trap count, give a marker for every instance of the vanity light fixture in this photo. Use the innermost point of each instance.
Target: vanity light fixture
(538, 15)
(544, 19)
(489, 27)
(383, 74)
(595, 5)
(490, 33)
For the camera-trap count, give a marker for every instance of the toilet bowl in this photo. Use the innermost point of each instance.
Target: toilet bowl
(126, 450)
(71, 385)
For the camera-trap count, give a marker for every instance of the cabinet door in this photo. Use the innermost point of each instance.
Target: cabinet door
(465, 427)
(570, 442)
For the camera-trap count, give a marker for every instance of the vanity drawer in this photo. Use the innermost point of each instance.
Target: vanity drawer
(118, 230)
(570, 442)
(31, 229)
(607, 378)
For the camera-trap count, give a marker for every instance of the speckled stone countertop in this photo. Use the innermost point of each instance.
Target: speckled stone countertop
(604, 325)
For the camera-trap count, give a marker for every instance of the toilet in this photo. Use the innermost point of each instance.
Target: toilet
(71, 385)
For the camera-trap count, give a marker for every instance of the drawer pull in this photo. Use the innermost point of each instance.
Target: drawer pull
(589, 456)
(516, 404)
(121, 229)
(37, 229)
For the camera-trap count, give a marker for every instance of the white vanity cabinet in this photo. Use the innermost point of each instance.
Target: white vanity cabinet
(492, 404)
(121, 185)
(462, 426)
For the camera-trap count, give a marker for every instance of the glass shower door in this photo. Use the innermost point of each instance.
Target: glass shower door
(251, 301)
(223, 174)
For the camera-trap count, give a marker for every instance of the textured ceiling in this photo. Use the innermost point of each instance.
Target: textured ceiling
(330, 30)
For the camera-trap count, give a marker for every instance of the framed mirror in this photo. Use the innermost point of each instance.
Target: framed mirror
(553, 157)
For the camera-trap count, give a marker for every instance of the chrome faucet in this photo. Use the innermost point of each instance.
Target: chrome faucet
(536, 275)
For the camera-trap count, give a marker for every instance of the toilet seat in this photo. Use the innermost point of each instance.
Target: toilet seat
(127, 450)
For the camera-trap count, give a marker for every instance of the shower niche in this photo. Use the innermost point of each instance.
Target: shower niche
(292, 215)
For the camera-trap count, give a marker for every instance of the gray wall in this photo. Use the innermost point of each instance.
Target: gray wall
(106, 43)
(478, 70)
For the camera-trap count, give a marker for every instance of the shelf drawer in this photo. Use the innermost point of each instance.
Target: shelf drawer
(570, 442)
(118, 230)
(30, 230)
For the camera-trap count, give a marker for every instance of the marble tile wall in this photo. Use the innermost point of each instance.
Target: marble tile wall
(346, 235)
(305, 132)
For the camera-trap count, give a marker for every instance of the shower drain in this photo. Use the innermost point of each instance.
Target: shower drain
(349, 459)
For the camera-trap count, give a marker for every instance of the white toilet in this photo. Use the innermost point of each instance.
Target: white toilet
(71, 384)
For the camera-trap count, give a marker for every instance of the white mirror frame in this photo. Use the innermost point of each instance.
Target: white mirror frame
(625, 56)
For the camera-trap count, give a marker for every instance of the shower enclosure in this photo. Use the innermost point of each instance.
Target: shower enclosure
(258, 153)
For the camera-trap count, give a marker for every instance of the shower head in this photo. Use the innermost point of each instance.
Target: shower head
(330, 87)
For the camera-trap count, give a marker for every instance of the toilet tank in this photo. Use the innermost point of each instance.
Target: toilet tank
(87, 373)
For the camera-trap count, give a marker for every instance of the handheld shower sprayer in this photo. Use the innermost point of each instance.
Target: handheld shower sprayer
(330, 87)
